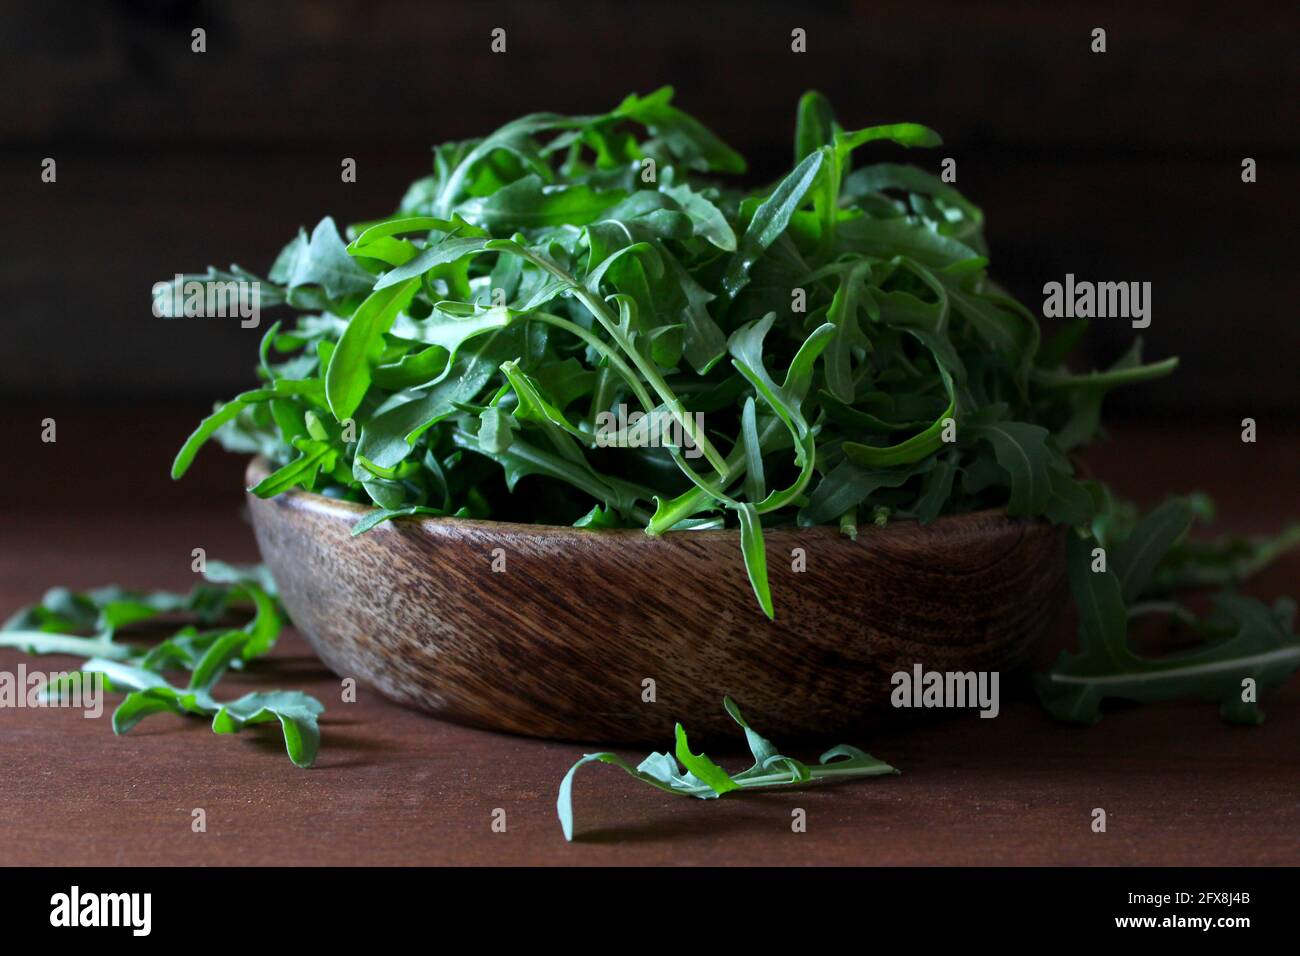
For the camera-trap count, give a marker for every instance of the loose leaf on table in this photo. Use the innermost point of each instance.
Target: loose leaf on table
(1248, 647)
(704, 779)
(1222, 563)
(149, 693)
(137, 671)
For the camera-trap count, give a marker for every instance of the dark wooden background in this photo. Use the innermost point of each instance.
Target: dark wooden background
(1122, 166)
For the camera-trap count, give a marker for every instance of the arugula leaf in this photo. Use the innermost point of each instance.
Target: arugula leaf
(751, 546)
(688, 139)
(169, 294)
(709, 221)
(148, 693)
(705, 780)
(770, 220)
(1224, 563)
(348, 373)
(296, 712)
(1135, 559)
(129, 668)
(1245, 639)
(322, 261)
(815, 126)
(702, 768)
(529, 203)
(43, 642)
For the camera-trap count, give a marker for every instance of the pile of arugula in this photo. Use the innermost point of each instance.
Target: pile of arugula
(86, 624)
(836, 332)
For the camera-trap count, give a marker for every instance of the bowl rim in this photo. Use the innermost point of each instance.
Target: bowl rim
(259, 467)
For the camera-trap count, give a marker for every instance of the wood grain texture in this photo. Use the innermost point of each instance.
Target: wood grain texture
(559, 642)
(1122, 166)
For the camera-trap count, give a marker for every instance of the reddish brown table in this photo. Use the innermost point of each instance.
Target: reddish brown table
(395, 787)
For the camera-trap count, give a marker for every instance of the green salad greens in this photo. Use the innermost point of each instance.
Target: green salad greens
(827, 349)
(591, 304)
(599, 308)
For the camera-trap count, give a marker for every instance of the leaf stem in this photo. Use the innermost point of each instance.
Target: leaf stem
(646, 368)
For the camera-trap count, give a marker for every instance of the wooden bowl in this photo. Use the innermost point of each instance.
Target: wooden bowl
(562, 641)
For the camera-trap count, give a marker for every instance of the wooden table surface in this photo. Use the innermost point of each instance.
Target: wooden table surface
(392, 786)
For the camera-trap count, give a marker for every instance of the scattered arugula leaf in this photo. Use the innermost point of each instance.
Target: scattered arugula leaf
(147, 692)
(705, 780)
(1247, 647)
(50, 626)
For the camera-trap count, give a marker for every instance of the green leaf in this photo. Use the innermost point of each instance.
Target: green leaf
(886, 238)
(751, 546)
(348, 376)
(705, 780)
(215, 282)
(965, 225)
(937, 488)
(765, 753)
(564, 801)
(297, 713)
(815, 127)
(496, 430)
(770, 220)
(449, 250)
(755, 487)
(848, 485)
(449, 332)
(1022, 452)
(380, 515)
(217, 659)
(1225, 562)
(710, 223)
(515, 138)
(1136, 558)
(41, 642)
(1247, 640)
(704, 341)
(529, 203)
(1085, 393)
(702, 768)
(151, 694)
(843, 314)
(302, 471)
(389, 437)
(688, 139)
(905, 134)
(323, 261)
(228, 412)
